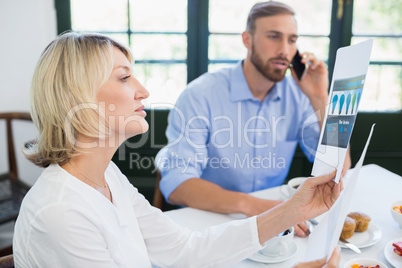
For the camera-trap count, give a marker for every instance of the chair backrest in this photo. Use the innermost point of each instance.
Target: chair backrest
(7, 261)
(12, 190)
(9, 117)
(159, 200)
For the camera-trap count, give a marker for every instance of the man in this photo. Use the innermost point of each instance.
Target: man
(235, 131)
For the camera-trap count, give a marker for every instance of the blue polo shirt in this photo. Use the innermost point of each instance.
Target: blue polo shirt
(220, 132)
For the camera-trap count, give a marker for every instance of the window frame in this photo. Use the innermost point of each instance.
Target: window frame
(198, 35)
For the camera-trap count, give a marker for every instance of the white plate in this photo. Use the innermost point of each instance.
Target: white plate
(365, 262)
(258, 257)
(390, 255)
(365, 239)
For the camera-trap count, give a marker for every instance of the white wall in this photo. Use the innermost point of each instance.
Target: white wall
(26, 27)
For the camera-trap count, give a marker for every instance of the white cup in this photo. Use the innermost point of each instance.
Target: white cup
(290, 188)
(280, 245)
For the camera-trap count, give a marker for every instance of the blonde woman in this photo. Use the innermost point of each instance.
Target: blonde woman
(82, 211)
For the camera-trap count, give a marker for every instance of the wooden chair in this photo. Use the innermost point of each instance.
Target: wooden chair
(159, 200)
(7, 261)
(12, 189)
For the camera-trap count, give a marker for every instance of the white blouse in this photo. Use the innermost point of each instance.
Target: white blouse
(64, 222)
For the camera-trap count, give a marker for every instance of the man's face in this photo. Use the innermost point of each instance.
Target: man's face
(273, 45)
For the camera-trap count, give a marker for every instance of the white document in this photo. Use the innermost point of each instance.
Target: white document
(324, 238)
(344, 97)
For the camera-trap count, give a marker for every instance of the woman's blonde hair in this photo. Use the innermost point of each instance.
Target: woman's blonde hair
(67, 78)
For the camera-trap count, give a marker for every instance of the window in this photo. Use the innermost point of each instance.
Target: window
(381, 20)
(158, 39)
(177, 40)
(227, 20)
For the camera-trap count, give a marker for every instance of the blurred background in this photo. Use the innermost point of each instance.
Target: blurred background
(175, 41)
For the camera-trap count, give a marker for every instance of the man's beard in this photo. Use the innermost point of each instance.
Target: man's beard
(272, 74)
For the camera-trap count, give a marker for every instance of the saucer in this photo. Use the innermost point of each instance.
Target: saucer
(258, 257)
(365, 239)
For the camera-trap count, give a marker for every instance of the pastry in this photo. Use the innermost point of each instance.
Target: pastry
(348, 228)
(362, 221)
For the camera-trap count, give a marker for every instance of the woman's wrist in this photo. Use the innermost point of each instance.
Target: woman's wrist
(297, 215)
(275, 221)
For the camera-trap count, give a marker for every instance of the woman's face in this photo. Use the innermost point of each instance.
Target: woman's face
(121, 98)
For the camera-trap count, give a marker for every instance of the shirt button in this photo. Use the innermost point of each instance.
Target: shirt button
(259, 133)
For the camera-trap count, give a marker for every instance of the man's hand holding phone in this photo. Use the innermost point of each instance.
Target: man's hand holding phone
(298, 67)
(309, 72)
(313, 79)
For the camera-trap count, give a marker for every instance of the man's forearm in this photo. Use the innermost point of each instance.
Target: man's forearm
(205, 195)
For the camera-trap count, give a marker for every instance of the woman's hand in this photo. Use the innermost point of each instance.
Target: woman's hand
(315, 196)
(332, 263)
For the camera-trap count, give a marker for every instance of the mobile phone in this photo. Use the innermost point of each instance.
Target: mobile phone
(299, 67)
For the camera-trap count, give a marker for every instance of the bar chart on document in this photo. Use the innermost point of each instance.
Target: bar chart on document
(345, 99)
